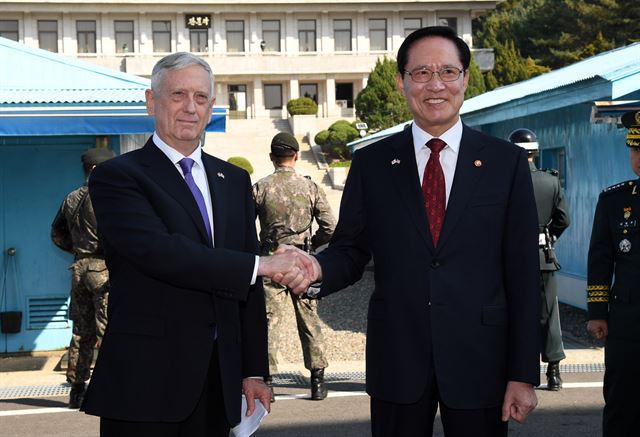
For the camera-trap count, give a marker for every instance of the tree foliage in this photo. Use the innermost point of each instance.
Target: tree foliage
(531, 37)
(380, 104)
(476, 81)
(302, 106)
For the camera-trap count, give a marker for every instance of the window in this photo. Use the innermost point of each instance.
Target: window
(271, 35)
(273, 96)
(161, 36)
(48, 35)
(235, 36)
(378, 34)
(9, 29)
(86, 36)
(199, 40)
(342, 35)
(411, 25)
(344, 92)
(555, 158)
(309, 90)
(451, 22)
(307, 35)
(124, 36)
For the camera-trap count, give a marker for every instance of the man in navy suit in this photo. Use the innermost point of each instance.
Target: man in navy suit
(186, 333)
(453, 321)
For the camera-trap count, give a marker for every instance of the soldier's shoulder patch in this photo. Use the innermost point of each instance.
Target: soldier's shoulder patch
(619, 187)
(551, 171)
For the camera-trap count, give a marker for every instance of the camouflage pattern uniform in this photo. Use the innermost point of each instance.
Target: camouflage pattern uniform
(74, 230)
(286, 204)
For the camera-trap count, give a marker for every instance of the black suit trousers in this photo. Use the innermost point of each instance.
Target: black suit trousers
(389, 419)
(207, 420)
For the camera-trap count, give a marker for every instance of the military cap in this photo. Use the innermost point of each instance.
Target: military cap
(631, 120)
(283, 144)
(96, 155)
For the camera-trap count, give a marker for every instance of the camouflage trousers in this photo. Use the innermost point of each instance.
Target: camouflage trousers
(88, 311)
(308, 324)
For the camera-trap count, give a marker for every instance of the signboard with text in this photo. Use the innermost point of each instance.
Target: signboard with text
(198, 21)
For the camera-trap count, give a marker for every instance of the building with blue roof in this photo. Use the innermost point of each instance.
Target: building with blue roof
(52, 109)
(575, 112)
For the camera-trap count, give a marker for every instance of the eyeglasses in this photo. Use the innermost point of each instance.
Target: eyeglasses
(423, 75)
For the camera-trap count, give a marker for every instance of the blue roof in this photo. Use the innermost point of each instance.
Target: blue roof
(44, 93)
(34, 76)
(619, 67)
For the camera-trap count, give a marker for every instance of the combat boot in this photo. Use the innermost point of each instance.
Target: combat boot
(554, 382)
(318, 388)
(269, 381)
(76, 395)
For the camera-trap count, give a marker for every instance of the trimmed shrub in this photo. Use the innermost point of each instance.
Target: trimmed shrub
(241, 162)
(334, 140)
(302, 106)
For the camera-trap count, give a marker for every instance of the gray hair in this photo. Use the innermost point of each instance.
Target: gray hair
(177, 61)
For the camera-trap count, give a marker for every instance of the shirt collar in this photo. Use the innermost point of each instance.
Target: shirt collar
(174, 155)
(452, 137)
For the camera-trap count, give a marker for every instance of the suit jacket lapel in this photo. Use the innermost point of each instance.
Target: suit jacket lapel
(469, 170)
(164, 173)
(402, 159)
(219, 197)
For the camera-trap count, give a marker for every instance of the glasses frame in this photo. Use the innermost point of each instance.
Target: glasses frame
(433, 73)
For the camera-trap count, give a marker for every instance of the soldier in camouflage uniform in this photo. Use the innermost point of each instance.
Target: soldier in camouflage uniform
(74, 230)
(287, 204)
(614, 304)
(553, 219)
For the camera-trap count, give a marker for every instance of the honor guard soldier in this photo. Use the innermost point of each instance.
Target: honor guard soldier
(74, 230)
(553, 219)
(614, 304)
(287, 204)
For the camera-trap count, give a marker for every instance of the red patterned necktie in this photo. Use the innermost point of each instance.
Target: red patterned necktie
(433, 189)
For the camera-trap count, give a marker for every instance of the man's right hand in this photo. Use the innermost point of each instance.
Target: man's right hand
(290, 267)
(599, 329)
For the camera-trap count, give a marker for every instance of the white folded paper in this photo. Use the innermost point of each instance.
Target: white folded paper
(249, 425)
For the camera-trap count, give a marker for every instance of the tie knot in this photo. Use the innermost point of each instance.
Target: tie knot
(436, 145)
(186, 164)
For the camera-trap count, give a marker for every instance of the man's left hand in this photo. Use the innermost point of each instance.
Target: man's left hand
(519, 400)
(254, 388)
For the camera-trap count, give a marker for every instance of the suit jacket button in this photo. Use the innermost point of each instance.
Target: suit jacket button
(435, 263)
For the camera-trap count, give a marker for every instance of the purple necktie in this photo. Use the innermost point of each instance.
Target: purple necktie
(186, 164)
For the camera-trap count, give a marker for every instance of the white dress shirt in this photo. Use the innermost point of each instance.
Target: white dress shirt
(448, 155)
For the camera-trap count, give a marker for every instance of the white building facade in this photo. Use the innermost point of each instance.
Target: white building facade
(262, 53)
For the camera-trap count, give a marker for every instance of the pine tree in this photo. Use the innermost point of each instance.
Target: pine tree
(476, 84)
(380, 104)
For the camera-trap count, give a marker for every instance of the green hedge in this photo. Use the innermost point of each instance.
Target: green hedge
(241, 162)
(333, 141)
(302, 106)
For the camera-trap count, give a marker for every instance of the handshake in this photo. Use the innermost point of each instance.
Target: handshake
(291, 267)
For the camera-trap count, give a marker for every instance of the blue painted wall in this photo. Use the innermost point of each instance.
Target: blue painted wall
(36, 173)
(596, 157)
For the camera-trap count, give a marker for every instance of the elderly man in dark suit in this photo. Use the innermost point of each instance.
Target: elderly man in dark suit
(449, 217)
(186, 334)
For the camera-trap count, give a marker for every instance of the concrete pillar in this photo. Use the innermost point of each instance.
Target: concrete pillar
(332, 108)
(258, 99)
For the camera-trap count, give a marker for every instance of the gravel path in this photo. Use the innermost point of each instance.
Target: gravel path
(344, 322)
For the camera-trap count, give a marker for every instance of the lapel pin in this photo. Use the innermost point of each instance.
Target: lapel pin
(477, 163)
(395, 161)
(221, 175)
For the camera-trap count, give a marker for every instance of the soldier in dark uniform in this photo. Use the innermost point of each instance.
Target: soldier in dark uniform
(614, 305)
(287, 204)
(74, 230)
(553, 219)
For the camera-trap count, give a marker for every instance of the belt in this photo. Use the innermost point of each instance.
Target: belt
(80, 256)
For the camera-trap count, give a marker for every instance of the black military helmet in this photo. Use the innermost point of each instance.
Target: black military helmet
(96, 155)
(283, 144)
(524, 138)
(631, 120)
